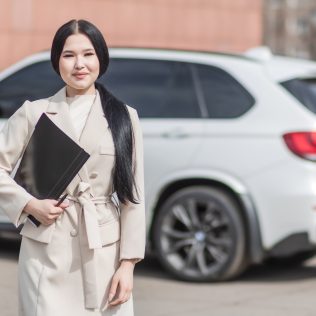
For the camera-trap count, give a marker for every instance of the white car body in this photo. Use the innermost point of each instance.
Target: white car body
(247, 155)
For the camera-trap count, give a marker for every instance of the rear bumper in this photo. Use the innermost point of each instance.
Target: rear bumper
(284, 196)
(291, 245)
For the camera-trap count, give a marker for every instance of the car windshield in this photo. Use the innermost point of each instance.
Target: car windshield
(304, 90)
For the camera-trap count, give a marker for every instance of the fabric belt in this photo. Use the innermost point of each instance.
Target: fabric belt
(90, 240)
(88, 204)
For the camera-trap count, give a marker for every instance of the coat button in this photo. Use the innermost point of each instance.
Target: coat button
(93, 175)
(73, 233)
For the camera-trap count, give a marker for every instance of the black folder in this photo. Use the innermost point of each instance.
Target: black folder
(50, 162)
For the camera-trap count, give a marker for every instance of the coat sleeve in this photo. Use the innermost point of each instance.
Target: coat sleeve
(13, 139)
(133, 224)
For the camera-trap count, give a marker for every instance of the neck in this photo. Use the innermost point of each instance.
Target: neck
(71, 92)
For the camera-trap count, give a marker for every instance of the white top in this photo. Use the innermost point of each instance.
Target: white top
(79, 108)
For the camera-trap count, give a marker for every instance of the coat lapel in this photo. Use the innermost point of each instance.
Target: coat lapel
(58, 112)
(94, 132)
(95, 129)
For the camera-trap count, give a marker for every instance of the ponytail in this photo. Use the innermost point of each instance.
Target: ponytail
(120, 124)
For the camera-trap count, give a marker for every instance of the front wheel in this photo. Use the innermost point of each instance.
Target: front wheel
(199, 235)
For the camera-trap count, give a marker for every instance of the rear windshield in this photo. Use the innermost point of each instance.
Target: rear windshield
(304, 90)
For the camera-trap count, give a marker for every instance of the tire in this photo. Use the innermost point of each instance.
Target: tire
(199, 235)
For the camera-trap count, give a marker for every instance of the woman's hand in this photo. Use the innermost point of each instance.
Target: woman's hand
(122, 283)
(45, 211)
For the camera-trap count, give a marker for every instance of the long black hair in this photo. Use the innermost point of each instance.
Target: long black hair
(114, 110)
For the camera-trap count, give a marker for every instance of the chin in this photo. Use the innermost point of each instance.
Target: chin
(80, 87)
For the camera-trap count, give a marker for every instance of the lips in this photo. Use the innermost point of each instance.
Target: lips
(80, 75)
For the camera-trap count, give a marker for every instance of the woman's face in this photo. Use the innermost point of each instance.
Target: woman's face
(79, 65)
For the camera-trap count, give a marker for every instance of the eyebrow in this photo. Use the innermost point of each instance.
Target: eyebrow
(85, 50)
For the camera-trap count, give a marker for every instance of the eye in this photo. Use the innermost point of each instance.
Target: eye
(89, 54)
(67, 55)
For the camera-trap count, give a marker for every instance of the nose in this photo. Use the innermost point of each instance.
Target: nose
(79, 63)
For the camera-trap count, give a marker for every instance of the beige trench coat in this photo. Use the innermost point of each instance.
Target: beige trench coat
(66, 268)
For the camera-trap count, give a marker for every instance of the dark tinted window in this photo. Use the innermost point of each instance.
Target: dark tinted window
(157, 89)
(304, 90)
(224, 96)
(30, 83)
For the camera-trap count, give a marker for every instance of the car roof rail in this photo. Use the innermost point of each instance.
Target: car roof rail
(259, 53)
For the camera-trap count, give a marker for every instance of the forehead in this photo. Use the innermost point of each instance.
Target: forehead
(77, 42)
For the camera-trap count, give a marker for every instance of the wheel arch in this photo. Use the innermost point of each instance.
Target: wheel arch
(255, 251)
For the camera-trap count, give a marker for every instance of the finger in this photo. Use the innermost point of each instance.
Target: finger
(60, 210)
(128, 296)
(50, 218)
(56, 211)
(113, 288)
(53, 214)
(122, 298)
(117, 301)
(54, 202)
(53, 217)
(64, 204)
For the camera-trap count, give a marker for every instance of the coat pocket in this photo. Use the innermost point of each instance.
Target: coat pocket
(107, 150)
(41, 233)
(110, 231)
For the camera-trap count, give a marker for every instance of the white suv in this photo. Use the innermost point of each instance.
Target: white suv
(230, 150)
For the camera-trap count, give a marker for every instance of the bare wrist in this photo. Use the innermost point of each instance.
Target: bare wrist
(128, 262)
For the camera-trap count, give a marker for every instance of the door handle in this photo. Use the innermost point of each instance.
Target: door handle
(176, 133)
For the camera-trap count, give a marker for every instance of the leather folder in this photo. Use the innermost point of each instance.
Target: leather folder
(50, 162)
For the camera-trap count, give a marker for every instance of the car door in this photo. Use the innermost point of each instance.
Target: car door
(35, 81)
(32, 82)
(164, 95)
(228, 133)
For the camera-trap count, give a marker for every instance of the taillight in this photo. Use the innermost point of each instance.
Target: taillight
(302, 144)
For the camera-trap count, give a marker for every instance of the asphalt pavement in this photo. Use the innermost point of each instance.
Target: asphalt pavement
(264, 290)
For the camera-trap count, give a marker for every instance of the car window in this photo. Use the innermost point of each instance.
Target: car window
(303, 90)
(224, 96)
(157, 89)
(33, 82)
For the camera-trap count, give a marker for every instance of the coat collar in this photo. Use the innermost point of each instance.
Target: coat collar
(58, 110)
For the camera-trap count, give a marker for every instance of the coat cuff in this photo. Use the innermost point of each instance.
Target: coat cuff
(18, 217)
(135, 260)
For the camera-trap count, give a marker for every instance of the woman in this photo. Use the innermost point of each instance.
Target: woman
(80, 260)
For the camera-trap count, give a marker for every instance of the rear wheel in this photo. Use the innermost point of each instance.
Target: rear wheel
(199, 235)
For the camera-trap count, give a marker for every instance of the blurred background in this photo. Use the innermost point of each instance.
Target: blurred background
(230, 143)
(27, 26)
(286, 26)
